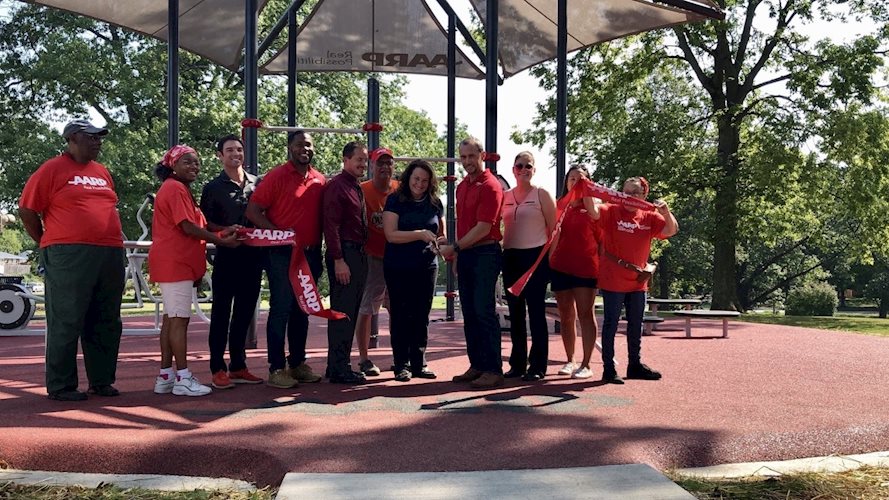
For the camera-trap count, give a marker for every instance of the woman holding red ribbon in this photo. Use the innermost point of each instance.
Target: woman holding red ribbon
(176, 261)
(574, 263)
(624, 273)
(529, 215)
(412, 223)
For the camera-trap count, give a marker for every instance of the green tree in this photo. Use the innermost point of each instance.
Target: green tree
(721, 115)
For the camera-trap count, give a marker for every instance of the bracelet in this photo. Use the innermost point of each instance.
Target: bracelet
(456, 247)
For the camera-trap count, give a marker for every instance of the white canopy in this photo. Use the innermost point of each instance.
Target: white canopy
(213, 29)
(387, 36)
(527, 28)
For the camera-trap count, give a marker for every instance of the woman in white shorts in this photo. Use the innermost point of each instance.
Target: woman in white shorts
(176, 261)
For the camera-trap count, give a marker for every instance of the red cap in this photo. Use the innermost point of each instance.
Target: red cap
(377, 153)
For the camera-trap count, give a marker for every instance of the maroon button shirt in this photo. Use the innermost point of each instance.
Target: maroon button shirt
(343, 212)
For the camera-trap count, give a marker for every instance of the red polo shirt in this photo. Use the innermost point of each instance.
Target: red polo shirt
(479, 200)
(292, 200)
(175, 256)
(76, 202)
(626, 235)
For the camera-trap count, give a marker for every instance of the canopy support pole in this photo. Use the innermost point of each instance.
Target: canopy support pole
(250, 85)
(561, 94)
(291, 66)
(172, 73)
(451, 150)
(491, 34)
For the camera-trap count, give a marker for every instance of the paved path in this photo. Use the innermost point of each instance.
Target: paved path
(766, 393)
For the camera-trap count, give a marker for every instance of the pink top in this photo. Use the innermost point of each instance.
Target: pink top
(524, 225)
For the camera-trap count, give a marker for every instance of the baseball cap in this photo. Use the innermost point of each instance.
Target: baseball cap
(379, 152)
(75, 126)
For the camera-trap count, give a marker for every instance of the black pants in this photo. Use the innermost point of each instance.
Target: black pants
(286, 319)
(477, 271)
(533, 298)
(236, 276)
(84, 288)
(410, 300)
(345, 299)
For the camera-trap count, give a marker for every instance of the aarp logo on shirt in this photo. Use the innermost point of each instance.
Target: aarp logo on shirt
(89, 182)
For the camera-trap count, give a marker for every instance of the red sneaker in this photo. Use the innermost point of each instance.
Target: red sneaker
(221, 380)
(244, 377)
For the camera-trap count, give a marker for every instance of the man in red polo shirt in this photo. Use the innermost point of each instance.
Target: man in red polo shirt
(69, 208)
(479, 261)
(289, 197)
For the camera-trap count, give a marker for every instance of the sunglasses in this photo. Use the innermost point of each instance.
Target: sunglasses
(520, 166)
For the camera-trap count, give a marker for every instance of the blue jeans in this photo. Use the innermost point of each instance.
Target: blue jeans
(635, 305)
(285, 316)
(477, 271)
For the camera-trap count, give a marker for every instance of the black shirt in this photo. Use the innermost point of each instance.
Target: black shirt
(224, 202)
(412, 215)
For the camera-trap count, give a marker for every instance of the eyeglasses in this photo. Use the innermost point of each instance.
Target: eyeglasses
(635, 193)
(520, 166)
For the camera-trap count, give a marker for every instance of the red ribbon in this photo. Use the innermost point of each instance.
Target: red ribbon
(301, 279)
(584, 188)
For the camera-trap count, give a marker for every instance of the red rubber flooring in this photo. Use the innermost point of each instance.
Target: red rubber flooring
(765, 393)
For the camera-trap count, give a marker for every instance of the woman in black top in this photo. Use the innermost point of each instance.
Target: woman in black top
(413, 227)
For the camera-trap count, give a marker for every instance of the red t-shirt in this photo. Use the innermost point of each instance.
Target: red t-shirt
(174, 255)
(626, 235)
(375, 201)
(292, 200)
(577, 252)
(479, 201)
(76, 202)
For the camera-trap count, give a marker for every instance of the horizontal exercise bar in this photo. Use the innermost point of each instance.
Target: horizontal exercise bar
(430, 160)
(314, 130)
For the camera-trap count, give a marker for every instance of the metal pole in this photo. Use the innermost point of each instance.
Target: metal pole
(172, 73)
(291, 67)
(250, 83)
(452, 143)
(561, 93)
(373, 111)
(284, 20)
(251, 75)
(491, 34)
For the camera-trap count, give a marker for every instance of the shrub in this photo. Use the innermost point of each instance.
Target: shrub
(812, 299)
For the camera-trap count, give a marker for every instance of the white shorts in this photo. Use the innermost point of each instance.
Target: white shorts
(177, 298)
(374, 287)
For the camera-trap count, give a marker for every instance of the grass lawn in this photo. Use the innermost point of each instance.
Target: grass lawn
(849, 323)
(865, 483)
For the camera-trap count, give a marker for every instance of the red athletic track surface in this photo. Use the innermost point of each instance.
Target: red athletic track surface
(765, 393)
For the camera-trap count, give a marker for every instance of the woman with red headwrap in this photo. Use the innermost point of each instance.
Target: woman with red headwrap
(624, 272)
(176, 261)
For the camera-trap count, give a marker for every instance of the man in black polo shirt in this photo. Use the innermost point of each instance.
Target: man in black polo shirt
(236, 271)
(345, 231)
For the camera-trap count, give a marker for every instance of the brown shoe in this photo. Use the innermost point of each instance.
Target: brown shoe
(470, 375)
(487, 381)
(304, 374)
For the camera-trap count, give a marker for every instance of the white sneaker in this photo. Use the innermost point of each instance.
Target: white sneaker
(164, 384)
(190, 387)
(582, 373)
(568, 369)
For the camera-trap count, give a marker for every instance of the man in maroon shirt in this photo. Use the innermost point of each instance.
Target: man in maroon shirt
(479, 261)
(345, 230)
(289, 197)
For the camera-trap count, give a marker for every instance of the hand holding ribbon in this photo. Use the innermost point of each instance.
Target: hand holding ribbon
(301, 279)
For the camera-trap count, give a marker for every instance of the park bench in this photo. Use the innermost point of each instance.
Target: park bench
(707, 314)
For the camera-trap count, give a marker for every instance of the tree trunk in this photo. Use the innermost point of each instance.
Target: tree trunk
(884, 308)
(725, 282)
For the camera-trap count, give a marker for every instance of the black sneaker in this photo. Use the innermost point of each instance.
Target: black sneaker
(67, 395)
(612, 378)
(353, 378)
(403, 376)
(642, 372)
(104, 390)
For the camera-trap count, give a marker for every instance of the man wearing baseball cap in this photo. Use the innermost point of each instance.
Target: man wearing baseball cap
(376, 190)
(69, 208)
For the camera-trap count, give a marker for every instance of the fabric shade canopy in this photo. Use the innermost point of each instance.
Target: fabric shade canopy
(213, 29)
(527, 28)
(387, 36)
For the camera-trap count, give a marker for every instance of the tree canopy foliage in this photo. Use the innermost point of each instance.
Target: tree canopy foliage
(55, 66)
(769, 139)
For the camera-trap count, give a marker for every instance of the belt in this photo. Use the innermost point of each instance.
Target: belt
(354, 245)
(483, 243)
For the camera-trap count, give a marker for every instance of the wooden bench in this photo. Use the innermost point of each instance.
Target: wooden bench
(706, 314)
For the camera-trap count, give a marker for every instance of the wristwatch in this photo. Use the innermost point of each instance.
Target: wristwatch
(456, 247)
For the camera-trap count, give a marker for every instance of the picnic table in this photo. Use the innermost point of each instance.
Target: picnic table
(707, 314)
(654, 303)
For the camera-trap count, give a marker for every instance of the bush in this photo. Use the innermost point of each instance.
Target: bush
(813, 299)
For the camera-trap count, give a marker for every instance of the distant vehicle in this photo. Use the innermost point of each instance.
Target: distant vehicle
(35, 287)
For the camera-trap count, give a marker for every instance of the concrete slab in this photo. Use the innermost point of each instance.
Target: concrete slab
(632, 481)
(836, 463)
(147, 481)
